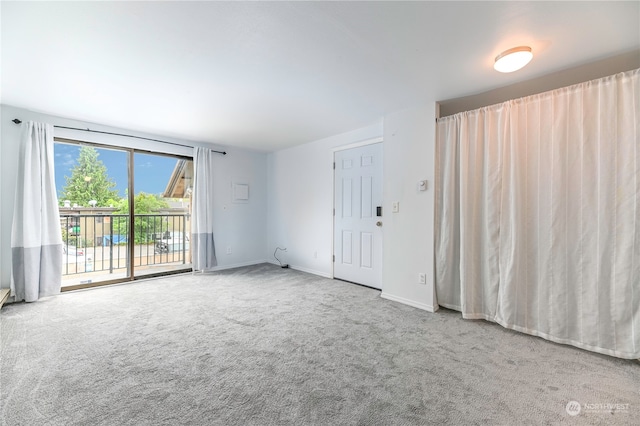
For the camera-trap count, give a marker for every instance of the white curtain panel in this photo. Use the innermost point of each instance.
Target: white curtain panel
(203, 249)
(36, 239)
(538, 214)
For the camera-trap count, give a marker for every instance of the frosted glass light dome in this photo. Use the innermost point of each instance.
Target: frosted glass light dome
(513, 59)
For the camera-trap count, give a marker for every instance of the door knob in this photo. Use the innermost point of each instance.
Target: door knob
(378, 223)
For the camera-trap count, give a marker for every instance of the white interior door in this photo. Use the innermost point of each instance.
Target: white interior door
(357, 238)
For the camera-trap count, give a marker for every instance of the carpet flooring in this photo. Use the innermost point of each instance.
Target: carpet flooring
(262, 345)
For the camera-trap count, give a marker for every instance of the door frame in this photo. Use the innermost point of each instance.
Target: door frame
(359, 144)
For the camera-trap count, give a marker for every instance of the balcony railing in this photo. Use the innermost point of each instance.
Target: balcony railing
(100, 242)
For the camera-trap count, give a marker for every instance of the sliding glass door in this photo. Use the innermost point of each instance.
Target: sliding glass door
(97, 189)
(162, 206)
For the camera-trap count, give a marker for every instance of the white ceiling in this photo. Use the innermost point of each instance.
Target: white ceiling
(268, 75)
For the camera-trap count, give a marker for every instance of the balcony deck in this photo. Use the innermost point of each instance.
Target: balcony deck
(97, 247)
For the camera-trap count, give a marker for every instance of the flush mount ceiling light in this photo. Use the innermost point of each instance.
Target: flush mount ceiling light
(513, 59)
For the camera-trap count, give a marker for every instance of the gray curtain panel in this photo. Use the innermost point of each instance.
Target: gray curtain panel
(203, 246)
(538, 214)
(36, 240)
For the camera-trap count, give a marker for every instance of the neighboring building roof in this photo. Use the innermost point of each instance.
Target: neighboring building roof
(180, 180)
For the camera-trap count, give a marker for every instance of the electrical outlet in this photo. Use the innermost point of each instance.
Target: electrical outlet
(229, 250)
(422, 278)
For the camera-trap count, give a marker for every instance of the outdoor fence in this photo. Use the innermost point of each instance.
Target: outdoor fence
(101, 242)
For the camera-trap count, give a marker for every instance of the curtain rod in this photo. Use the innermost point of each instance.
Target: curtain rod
(18, 121)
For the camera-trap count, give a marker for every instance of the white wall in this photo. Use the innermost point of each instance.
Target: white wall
(409, 142)
(240, 226)
(300, 215)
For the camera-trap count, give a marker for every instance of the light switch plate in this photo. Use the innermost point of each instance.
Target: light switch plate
(395, 207)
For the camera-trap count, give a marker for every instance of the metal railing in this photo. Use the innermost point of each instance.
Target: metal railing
(100, 242)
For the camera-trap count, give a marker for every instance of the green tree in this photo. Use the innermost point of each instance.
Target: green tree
(89, 181)
(146, 223)
(143, 204)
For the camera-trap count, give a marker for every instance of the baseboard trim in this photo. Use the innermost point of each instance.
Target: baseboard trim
(409, 302)
(310, 271)
(238, 265)
(301, 269)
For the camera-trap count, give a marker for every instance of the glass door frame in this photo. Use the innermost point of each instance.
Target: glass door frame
(131, 202)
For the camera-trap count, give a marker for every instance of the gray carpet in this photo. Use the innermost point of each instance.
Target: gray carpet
(267, 346)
